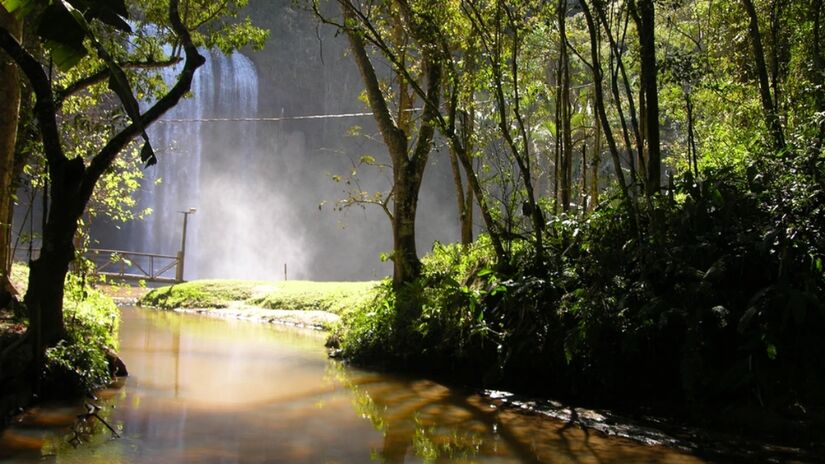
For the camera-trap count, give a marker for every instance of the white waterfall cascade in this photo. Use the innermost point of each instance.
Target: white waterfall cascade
(241, 228)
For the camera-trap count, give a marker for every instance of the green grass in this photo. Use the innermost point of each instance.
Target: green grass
(334, 297)
(202, 294)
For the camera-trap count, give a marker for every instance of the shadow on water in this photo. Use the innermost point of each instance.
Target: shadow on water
(206, 390)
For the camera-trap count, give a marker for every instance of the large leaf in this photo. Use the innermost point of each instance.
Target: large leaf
(63, 34)
(64, 25)
(147, 154)
(111, 12)
(64, 56)
(13, 5)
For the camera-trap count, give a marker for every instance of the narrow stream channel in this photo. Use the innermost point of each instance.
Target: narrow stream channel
(205, 390)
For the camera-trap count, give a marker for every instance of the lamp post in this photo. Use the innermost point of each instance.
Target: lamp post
(182, 252)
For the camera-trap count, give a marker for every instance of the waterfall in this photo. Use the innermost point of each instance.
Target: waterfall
(207, 165)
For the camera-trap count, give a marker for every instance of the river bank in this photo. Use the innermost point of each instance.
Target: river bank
(84, 360)
(315, 305)
(233, 300)
(647, 427)
(204, 390)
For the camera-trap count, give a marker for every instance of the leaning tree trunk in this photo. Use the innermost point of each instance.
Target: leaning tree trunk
(44, 297)
(73, 181)
(9, 111)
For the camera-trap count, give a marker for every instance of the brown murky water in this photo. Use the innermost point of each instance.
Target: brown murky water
(211, 391)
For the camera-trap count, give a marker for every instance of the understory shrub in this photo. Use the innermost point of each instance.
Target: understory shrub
(711, 295)
(79, 362)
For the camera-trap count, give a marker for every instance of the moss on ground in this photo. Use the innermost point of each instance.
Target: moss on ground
(333, 297)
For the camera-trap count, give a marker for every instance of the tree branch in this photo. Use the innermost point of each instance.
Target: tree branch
(44, 108)
(103, 74)
(106, 156)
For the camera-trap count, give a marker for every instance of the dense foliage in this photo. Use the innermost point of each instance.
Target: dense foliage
(81, 362)
(715, 296)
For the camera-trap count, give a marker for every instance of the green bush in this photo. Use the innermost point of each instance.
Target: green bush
(79, 362)
(712, 296)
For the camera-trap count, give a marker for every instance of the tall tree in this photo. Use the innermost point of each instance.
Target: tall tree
(408, 160)
(501, 28)
(566, 130)
(598, 79)
(10, 96)
(72, 179)
(644, 15)
(769, 108)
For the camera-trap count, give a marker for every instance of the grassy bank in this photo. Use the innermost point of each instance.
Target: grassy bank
(331, 297)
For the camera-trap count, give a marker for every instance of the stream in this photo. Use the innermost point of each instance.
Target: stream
(206, 390)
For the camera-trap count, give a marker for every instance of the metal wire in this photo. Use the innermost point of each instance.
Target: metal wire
(270, 119)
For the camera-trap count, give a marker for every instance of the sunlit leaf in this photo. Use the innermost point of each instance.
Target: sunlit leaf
(13, 5)
(367, 159)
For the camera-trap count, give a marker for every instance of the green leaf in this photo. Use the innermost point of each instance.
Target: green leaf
(771, 351)
(63, 29)
(13, 5)
(64, 56)
(111, 12)
(485, 272)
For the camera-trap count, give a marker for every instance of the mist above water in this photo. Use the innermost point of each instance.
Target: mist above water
(238, 228)
(257, 185)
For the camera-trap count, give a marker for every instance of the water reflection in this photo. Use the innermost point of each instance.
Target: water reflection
(205, 390)
(422, 421)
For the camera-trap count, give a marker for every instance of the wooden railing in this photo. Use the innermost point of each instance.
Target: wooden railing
(134, 265)
(128, 265)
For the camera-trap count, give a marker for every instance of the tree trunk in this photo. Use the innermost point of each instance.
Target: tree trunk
(478, 193)
(44, 297)
(647, 44)
(599, 99)
(406, 265)
(566, 130)
(768, 105)
(408, 168)
(596, 160)
(616, 54)
(463, 200)
(9, 111)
